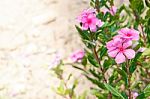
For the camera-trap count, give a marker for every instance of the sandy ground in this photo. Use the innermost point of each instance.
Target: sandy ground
(31, 31)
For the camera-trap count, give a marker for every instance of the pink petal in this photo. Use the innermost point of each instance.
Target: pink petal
(142, 49)
(135, 34)
(117, 36)
(93, 27)
(135, 95)
(113, 53)
(77, 55)
(127, 44)
(120, 58)
(113, 10)
(91, 16)
(123, 31)
(105, 11)
(85, 26)
(109, 44)
(130, 53)
(99, 23)
(73, 58)
(84, 20)
(80, 54)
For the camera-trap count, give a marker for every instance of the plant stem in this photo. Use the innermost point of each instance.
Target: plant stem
(103, 72)
(66, 87)
(142, 28)
(99, 62)
(144, 37)
(97, 6)
(129, 80)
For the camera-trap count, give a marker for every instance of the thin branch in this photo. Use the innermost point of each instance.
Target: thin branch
(144, 37)
(129, 79)
(99, 62)
(97, 3)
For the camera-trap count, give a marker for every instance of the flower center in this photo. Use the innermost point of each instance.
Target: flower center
(121, 49)
(128, 34)
(89, 21)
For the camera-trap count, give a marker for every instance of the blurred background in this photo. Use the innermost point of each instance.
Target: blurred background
(31, 33)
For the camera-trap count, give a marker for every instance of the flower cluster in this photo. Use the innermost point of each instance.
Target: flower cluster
(119, 47)
(89, 20)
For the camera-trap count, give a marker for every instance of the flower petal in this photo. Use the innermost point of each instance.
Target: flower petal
(99, 23)
(85, 26)
(113, 53)
(93, 27)
(127, 44)
(135, 34)
(130, 53)
(120, 58)
(123, 31)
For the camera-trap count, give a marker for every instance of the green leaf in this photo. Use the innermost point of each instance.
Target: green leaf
(114, 91)
(76, 67)
(61, 88)
(96, 74)
(148, 14)
(141, 96)
(98, 94)
(75, 83)
(70, 75)
(136, 84)
(137, 6)
(147, 91)
(83, 95)
(103, 51)
(123, 65)
(147, 2)
(58, 70)
(96, 82)
(92, 60)
(113, 77)
(124, 75)
(124, 95)
(107, 64)
(146, 52)
(133, 65)
(84, 34)
(84, 61)
(145, 94)
(137, 56)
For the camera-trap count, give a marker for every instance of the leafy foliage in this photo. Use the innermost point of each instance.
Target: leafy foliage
(111, 80)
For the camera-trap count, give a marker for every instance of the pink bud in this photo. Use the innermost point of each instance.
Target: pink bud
(77, 56)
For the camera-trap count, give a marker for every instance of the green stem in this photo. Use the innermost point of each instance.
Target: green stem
(129, 80)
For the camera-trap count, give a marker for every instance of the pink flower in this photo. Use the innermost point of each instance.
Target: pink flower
(142, 49)
(105, 11)
(77, 56)
(56, 60)
(89, 20)
(135, 94)
(119, 49)
(129, 34)
(112, 10)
